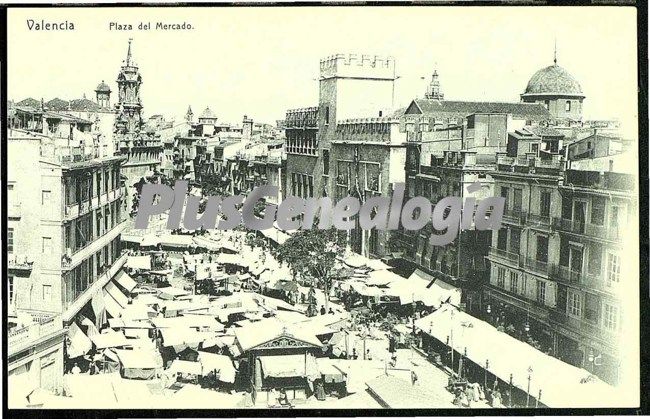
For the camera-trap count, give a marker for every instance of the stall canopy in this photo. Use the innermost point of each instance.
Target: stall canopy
(150, 241)
(139, 363)
(139, 262)
(117, 295)
(125, 281)
(221, 363)
(300, 365)
(171, 293)
(562, 385)
(80, 344)
(176, 240)
(424, 288)
(112, 306)
(228, 259)
(382, 278)
(185, 367)
(112, 339)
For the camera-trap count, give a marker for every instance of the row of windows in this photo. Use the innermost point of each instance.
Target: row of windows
(82, 187)
(583, 305)
(46, 291)
(80, 232)
(302, 185)
(369, 173)
(514, 282)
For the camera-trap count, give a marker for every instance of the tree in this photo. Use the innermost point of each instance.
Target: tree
(312, 253)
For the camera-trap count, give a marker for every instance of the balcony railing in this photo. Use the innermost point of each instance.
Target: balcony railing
(512, 257)
(536, 265)
(75, 210)
(566, 274)
(572, 226)
(514, 216)
(19, 262)
(589, 229)
(539, 219)
(44, 324)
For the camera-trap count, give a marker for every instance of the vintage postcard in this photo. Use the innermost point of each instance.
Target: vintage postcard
(323, 208)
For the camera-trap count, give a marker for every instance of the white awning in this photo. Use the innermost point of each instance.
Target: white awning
(139, 262)
(125, 281)
(80, 344)
(112, 339)
(185, 367)
(115, 292)
(139, 358)
(112, 307)
(285, 365)
(222, 363)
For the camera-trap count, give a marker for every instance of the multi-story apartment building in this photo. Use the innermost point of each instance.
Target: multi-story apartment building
(63, 242)
(556, 263)
(65, 205)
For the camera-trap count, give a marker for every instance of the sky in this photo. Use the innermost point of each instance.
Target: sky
(263, 61)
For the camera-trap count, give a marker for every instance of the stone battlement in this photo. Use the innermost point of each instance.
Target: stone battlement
(358, 66)
(380, 120)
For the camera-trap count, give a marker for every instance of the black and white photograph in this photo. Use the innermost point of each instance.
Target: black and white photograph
(323, 208)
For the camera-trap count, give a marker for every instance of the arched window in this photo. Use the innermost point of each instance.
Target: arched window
(567, 106)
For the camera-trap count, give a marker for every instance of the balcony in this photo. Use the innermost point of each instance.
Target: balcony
(514, 216)
(539, 220)
(75, 210)
(537, 266)
(588, 229)
(69, 262)
(565, 274)
(571, 226)
(600, 180)
(43, 326)
(531, 164)
(504, 254)
(19, 262)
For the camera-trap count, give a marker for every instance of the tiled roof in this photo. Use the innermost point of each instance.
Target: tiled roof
(103, 87)
(83, 105)
(458, 109)
(29, 102)
(553, 79)
(57, 104)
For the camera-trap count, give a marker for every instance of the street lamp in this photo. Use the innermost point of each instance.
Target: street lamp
(530, 373)
(591, 359)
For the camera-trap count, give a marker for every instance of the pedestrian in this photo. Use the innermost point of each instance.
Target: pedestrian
(322, 310)
(354, 353)
(368, 356)
(331, 311)
(414, 377)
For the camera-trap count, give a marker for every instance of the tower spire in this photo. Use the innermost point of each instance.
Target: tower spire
(128, 53)
(555, 52)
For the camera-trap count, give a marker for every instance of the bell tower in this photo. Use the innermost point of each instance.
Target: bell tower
(433, 91)
(129, 103)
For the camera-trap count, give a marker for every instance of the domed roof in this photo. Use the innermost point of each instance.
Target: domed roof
(103, 87)
(553, 80)
(207, 113)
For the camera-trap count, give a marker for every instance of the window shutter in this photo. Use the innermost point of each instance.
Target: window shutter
(551, 289)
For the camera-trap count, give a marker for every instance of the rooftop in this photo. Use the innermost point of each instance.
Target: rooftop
(458, 109)
(553, 80)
